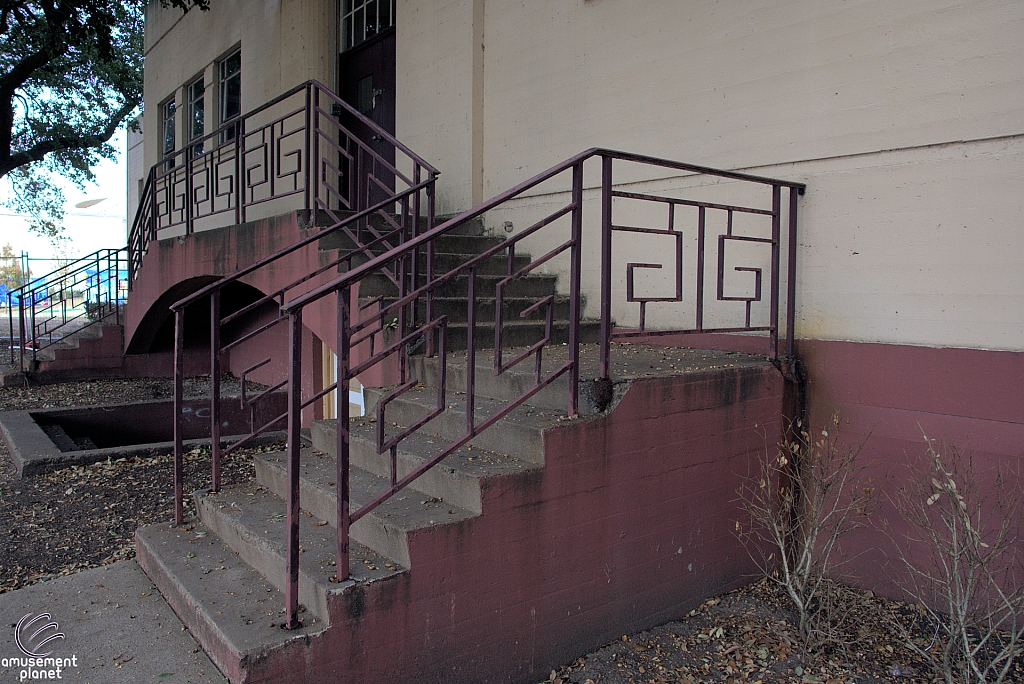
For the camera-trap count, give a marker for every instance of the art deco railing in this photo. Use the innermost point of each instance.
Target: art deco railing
(369, 200)
(362, 321)
(87, 292)
(294, 152)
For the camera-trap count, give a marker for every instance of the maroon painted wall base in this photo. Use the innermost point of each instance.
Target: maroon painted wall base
(629, 524)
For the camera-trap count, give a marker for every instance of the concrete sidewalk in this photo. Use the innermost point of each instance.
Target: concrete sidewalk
(116, 625)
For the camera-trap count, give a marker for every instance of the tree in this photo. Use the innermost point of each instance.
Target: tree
(12, 276)
(70, 76)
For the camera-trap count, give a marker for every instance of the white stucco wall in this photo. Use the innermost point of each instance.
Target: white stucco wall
(136, 169)
(906, 120)
(283, 43)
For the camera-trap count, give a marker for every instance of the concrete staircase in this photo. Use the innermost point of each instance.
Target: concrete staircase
(537, 542)
(91, 352)
(467, 241)
(224, 572)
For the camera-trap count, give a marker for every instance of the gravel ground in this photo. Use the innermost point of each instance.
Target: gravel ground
(83, 517)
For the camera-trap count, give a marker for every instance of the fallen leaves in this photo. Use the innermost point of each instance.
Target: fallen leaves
(85, 516)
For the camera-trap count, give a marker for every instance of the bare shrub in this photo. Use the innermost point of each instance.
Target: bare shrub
(807, 494)
(964, 556)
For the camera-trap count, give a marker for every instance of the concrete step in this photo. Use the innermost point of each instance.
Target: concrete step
(385, 530)
(518, 434)
(458, 479)
(250, 520)
(511, 384)
(496, 265)
(472, 227)
(456, 309)
(529, 286)
(519, 333)
(230, 608)
(445, 244)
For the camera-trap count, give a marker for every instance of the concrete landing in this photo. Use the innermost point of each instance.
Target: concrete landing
(117, 627)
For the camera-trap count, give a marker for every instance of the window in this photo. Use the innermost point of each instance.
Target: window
(363, 19)
(167, 111)
(196, 93)
(230, 91)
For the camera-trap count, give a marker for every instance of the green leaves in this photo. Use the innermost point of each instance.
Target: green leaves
(70, 76)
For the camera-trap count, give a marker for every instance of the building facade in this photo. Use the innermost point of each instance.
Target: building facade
(905, 121)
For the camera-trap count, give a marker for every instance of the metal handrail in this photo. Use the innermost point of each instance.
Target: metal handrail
(370, 194)
(101, 274)
(174, 178)
(353, 327)
(404, 246)
(499, 199)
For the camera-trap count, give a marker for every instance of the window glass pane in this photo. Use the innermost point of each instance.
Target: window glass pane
(358, 27)
(231, 87)
(196, 113)
(371, 18)
(364, 94)
(362, 19)
(168, 126)
(197, 102)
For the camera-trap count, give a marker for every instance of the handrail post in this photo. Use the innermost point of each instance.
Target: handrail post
(179, 390)
(309, 159)
(773, 335)
(343, 436)
(21, 331)
(606, 266)
(791, 276)
(314, 160)
(154, 217)
(429, 266)
(294, 446)
(415, 220)
(215, 390)
(10, 322)
(188, 190)
(574, 288)
(32, 316)
(239, 172)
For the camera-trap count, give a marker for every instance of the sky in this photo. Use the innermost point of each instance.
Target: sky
(99, 226)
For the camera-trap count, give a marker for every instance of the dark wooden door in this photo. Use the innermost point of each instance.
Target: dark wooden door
(366, 80)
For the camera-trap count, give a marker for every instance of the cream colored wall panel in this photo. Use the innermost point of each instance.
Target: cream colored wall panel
(435, 98)
(735, 84)
(283, 42)
(920, 247)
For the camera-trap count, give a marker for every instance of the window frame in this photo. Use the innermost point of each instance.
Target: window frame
(223, 83)
(352, 21)
(168, 130)
(193, 100)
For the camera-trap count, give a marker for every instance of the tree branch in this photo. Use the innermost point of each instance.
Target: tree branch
(64, 143)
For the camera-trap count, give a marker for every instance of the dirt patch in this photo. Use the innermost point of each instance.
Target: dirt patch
(83, 517)
(749, 636)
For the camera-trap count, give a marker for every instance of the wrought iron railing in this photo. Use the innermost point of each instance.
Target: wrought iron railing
(85, 293)
(294, 152)
(373, 201)
(560, 234)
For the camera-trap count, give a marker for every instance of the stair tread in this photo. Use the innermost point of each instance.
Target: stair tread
(525, 417)
(474, 462)
(408, 510)
(467, 460)
(242, 605)
(519, 432)
(262, 514)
